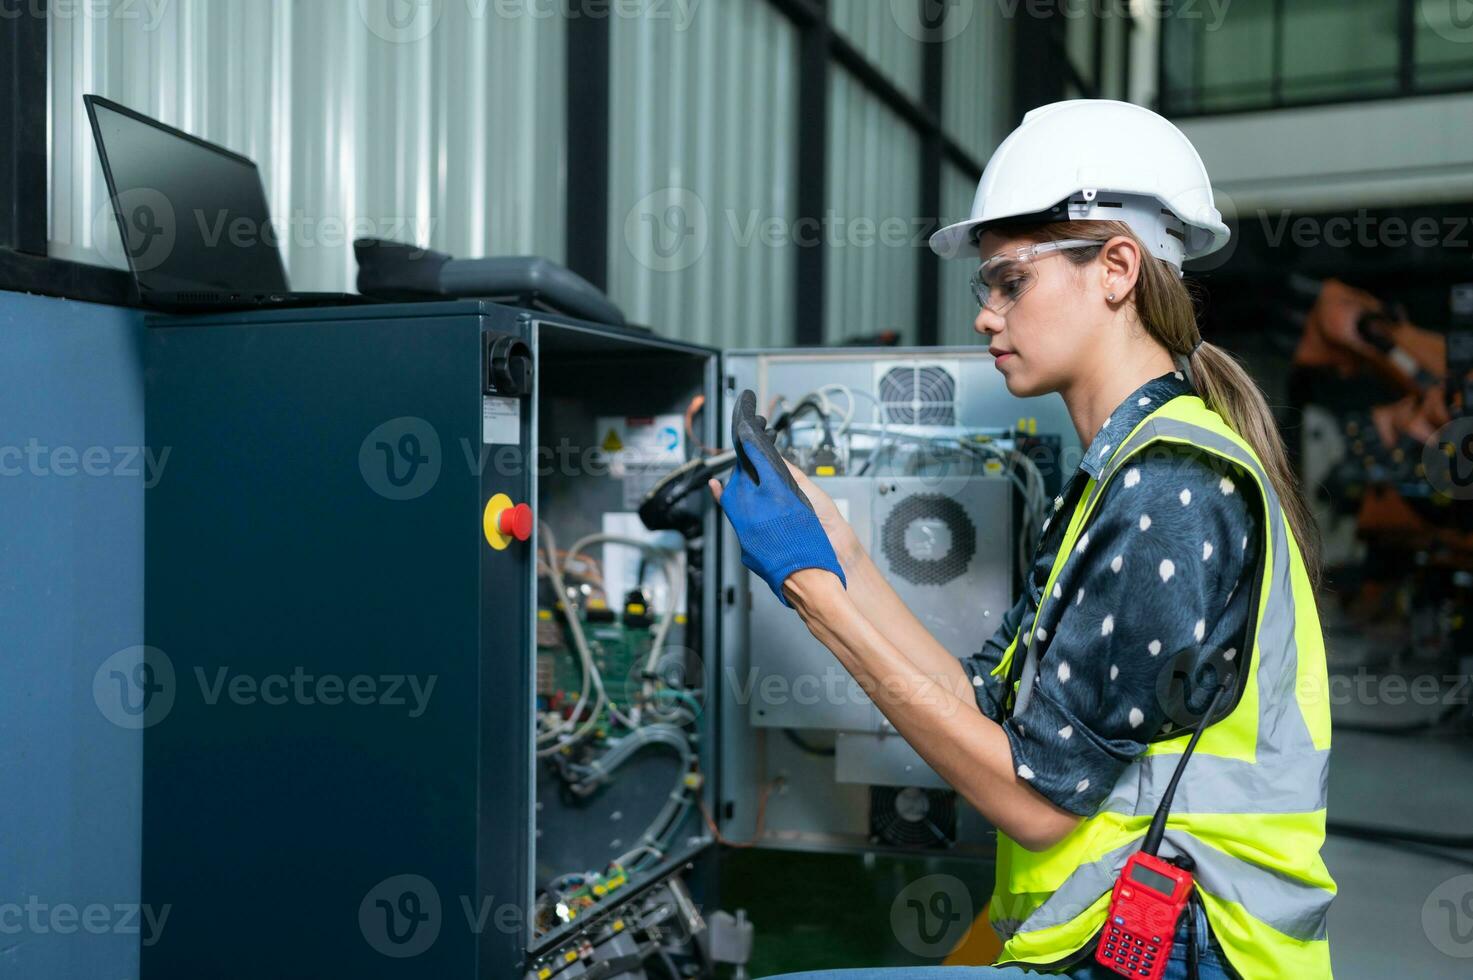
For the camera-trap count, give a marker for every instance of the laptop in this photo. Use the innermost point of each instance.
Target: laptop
(193, 217)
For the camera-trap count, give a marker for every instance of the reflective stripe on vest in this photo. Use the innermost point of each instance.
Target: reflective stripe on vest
(1261, 798)
(1291, 907)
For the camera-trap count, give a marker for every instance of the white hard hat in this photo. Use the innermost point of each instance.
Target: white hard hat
(1100, 160)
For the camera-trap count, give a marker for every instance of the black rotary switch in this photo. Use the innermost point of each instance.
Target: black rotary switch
(508, 365)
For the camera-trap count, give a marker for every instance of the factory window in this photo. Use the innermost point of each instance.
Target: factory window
(1268, 54)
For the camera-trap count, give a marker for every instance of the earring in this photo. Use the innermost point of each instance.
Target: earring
(1111, 297)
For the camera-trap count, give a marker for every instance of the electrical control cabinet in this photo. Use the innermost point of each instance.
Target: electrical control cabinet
(430, 699)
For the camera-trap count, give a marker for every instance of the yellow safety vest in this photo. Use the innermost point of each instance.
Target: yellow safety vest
(1250, 810)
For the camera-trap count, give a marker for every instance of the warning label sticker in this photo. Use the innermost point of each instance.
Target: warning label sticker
(639, 443)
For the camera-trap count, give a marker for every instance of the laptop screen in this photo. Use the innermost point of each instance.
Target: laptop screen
(193, 215)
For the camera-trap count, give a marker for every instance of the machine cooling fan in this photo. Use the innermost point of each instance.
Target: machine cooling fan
(928, 539)
(908, 816)
(919, 394)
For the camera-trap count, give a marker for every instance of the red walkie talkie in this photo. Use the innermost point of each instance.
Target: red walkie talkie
(1148, 901)
(1151, 894)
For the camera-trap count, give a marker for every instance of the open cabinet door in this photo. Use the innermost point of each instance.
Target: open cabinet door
(917, 448)
(624, 765)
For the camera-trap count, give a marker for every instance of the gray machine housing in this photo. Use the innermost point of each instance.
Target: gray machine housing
(820, 693)
(777, 677)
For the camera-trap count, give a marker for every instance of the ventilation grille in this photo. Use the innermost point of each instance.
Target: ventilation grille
(912, 817)
(919, 394)
(928, 539)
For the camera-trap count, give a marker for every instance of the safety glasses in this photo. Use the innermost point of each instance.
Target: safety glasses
(1002, 279)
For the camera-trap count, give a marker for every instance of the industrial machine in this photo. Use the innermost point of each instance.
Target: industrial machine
(455, 685)
(1385, 445)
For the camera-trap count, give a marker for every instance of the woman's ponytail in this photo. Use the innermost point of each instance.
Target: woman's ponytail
(1228, 389)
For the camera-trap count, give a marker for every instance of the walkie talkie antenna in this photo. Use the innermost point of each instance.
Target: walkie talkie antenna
(1158, 822)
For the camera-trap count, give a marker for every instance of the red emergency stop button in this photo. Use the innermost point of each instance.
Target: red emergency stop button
(516, 522)
(504, 522)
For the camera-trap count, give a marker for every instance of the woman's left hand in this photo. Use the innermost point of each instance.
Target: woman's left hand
(779, 530)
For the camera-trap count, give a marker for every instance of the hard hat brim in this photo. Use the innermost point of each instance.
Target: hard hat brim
(1204, 237)
(950, 242)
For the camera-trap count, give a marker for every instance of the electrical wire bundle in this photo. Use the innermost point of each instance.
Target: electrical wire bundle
(559, 735)
(933, 446)
(659, 718)
(1025, 476)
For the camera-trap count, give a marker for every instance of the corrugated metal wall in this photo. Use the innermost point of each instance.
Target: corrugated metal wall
(446, 128)
(976, 109)
(703, 172)
(888, 33)
(976, 104)
(872, 229)
(958, 310)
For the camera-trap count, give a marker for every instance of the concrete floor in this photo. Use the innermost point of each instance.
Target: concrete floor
(1386, 920)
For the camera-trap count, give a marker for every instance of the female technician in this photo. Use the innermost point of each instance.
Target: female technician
(1178, 564)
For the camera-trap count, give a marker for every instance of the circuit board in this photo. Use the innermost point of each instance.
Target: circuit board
(618, 650)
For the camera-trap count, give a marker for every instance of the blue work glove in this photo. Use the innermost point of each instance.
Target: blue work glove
(779, 532)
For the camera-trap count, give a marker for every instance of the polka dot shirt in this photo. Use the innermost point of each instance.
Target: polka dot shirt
(1165, 563)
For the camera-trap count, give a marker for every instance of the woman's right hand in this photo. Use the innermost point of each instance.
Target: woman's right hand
(845, 542)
